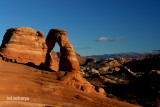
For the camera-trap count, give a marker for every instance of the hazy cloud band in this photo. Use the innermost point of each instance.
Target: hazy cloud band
(109, 39)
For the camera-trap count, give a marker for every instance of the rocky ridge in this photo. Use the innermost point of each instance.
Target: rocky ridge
(126, 55)
(133, 80)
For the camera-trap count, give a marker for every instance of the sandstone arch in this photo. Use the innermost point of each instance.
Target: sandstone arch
(68, 73)
(68, 59)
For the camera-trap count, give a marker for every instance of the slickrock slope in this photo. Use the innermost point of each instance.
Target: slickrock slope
(44, 90)
(23, 44)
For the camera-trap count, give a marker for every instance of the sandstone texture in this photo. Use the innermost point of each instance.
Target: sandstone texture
(68, 73)
(44, 90)
(23, 44)
(56, 58)
(57, 81)
(68, 59)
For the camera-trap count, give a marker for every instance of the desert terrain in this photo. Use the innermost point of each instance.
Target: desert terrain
(44, 90)
(33, 75)
(29, 79)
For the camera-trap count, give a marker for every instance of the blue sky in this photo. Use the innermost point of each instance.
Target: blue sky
(94, 27)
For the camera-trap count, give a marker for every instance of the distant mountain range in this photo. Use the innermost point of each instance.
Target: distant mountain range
(125, 55)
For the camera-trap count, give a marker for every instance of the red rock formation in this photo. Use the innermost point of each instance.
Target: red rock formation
(68, 60)
(56, 58)
(68, 66)
(82, 60)
(101, 91)
(24, 44)
(154, 72)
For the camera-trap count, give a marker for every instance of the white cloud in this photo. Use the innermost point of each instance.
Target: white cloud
(110, 39)
(102, 39)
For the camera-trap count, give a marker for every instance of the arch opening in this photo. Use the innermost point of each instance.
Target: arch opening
(68, 60)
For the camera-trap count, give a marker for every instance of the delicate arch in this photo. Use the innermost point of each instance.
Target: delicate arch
(68, 59)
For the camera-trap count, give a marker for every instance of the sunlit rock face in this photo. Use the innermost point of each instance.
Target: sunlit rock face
(24, 44)
(68, 73)
(68, 59)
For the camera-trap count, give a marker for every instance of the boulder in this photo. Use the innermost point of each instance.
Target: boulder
(93, 71)
(101, 91)
(103, 69)
(113, 63)
(107, 80)
(24, 44)
(154, 78)
(117, 69)
(154, 72)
